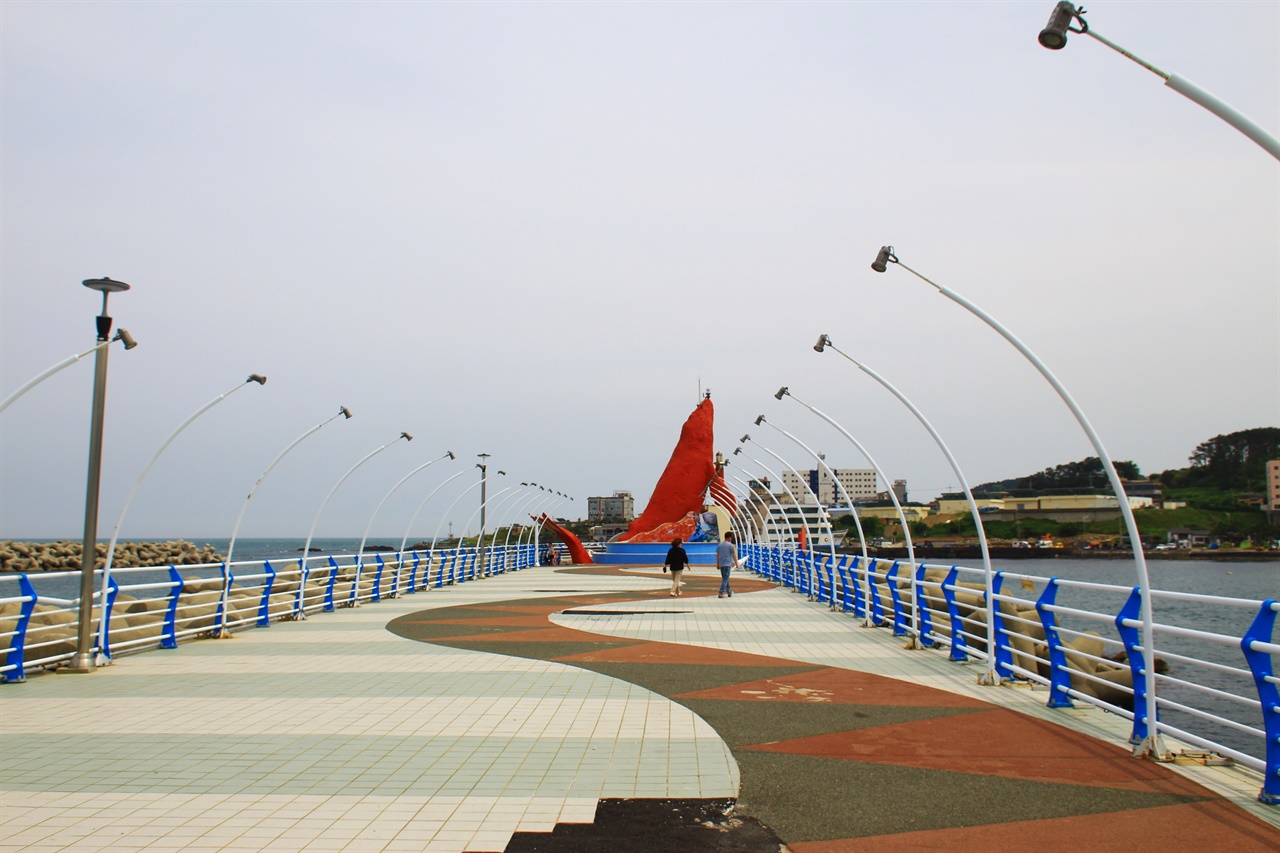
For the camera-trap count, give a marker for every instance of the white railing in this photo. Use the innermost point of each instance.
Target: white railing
(1216, 690)
(159, 607)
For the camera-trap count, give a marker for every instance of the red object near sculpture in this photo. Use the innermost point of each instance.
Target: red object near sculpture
(685, 479)
(577, 552)
(721, 494)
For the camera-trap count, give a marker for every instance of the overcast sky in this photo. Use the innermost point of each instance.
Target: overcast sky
(534, 229)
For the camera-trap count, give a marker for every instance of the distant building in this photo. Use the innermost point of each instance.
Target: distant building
(618, 508)
(857, 483)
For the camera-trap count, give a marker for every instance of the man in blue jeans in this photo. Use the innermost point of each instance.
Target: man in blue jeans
(726, 559)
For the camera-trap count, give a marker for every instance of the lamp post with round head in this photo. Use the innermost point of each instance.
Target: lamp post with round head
(1146, 729)
(83, 660)
(1054, 37)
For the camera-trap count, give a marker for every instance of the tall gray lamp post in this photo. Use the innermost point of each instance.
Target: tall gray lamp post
(83, 660)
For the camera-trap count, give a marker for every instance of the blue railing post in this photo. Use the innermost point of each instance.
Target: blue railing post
(877, 609)
(413, 575)
(1260, 664)
(376, 595)
(959, 648)
(169, 634)
(1138, 666)
(113, 589)
(922, 607)
(1004, 656)
(329, 603)
(18, 643)
(1059, 674)
(264, 607)
(853, 589)
(899, 614)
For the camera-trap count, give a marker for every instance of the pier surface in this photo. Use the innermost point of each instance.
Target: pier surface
(583, 710)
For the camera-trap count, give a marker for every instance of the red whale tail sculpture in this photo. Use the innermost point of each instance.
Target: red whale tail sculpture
(683, 482)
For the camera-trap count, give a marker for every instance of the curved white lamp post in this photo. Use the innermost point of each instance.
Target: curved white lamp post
(306, 549)
(740, 521)
(804, 523)
(468, 490)
(121, 335)
(345, 414)
(448, 454)
(506, 507)
(990, 676)
(786, 519)
(102, 657)
(748, 496)
(857, 521)
(1151, 744)
(482, 512)
(1054, 37)
(902, 518)
(766, 513)
(517, 510)
(822, 514)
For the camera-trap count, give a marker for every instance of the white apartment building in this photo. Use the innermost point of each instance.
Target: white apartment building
(618, 507)
(857, 483)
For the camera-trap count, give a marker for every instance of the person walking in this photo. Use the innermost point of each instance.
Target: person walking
(676, 561)
(726, 559)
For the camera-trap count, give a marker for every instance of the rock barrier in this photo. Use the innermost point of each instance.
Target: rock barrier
(64, 555)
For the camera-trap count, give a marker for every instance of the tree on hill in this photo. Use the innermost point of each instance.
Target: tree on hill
(1085, 475)
(1236, 461)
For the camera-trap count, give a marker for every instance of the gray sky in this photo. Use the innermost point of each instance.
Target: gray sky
(530, 229)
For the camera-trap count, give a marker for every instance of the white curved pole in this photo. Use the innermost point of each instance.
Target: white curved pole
(67, 362)
(306, 548)
(1200, 96)
(510, 503)
(902, 518)
(804, 524)
(748, 497)
(537, 529)
(115, 533)
(462, 534)
(518, 510)
(857, 521)
(432, 494)
(791, 529)
(480, 538)
(223, 633)
(538, 507)
(448, 454)
(365, 538)
(1152, 744)
(822, 513)
(766, 513)
(741, 521)
(342, 410)
(990, 676)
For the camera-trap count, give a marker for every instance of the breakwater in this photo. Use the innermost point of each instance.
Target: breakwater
(65, 555)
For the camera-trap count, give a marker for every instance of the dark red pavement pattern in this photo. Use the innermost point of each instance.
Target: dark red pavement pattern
(836, 761)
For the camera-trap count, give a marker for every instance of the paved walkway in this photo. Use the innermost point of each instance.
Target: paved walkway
(394, 727)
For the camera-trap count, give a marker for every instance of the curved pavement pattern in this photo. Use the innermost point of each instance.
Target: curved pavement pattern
(521, 724)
